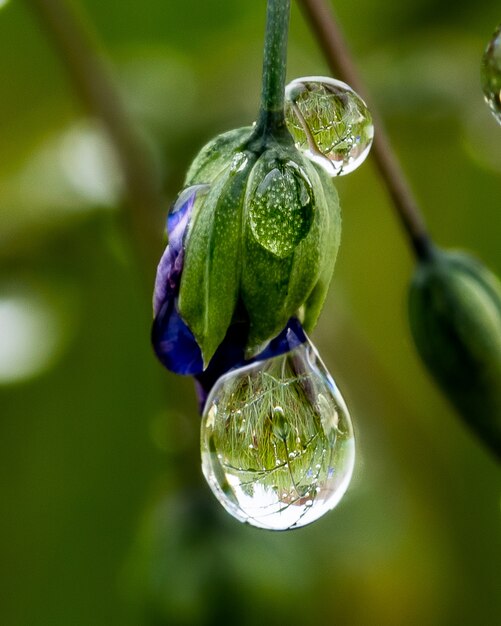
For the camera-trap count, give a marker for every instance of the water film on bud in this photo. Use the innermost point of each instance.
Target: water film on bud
(329, 123)
(491, 74)
(277, 441)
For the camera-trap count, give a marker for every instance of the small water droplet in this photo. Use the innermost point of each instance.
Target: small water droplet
(280, 206)
(491, 74)
(329, 123)
(262, 481)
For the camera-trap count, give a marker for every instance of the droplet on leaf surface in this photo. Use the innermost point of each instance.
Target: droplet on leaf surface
(329, 123)
(277, 441)
(491, 74)
(281, 209)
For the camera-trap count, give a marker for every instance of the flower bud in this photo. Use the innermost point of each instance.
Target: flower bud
(173, 342)
(455, 318)
(262, 241)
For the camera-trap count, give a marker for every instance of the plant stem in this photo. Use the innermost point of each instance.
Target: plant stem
(336, 52)
(271, 121)
(93, 82)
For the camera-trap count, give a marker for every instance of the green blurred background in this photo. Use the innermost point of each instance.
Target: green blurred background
(104, 516)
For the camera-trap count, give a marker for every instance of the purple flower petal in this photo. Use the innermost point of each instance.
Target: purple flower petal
(172, 340)
(171, 264)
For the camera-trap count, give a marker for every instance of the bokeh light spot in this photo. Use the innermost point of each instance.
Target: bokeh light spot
(31, 334)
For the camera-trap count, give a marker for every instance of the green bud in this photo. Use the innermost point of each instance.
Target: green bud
(264, 238)
(455, 318)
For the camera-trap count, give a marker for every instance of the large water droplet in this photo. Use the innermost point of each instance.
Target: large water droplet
(329, 122)
(277, 441)
(491, 74)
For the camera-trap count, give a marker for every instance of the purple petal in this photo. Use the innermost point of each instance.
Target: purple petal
(173, 341)
(171, 264)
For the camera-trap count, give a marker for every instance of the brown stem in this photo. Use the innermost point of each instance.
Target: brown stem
(93, 82)
(330, 39)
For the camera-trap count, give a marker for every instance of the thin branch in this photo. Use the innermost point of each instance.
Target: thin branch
(331, 41)
(93, 82)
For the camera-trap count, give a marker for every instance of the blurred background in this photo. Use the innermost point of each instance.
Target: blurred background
(104, 517)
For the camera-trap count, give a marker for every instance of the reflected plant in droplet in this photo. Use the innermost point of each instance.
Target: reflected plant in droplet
(329, 122)
(277, 441)
(491, 74)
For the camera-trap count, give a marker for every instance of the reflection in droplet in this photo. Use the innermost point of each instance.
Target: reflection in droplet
(3, 3)
(491, 74)
(329, 122)
(30, 335)
(292, 460)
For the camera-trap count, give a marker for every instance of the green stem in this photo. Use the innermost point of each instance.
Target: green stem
(271, 121)
(331, 41)
(94, 83)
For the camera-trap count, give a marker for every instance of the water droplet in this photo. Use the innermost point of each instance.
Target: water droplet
(329, 122)
(282, 398)
(491, 74)
(281, 208)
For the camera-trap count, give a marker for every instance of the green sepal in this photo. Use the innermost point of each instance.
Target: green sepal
(215, 156)
(329, 243)
(277, 281)
(455, 318)
(212, 266)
